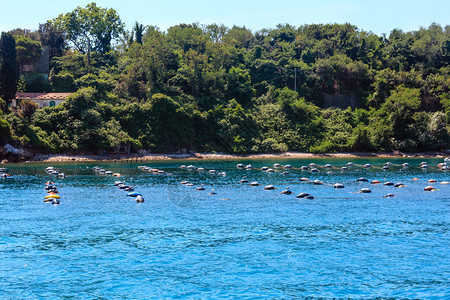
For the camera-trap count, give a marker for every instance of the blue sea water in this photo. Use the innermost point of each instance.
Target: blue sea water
(244, 242)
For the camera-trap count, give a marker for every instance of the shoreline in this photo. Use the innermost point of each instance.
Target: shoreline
(222, 156)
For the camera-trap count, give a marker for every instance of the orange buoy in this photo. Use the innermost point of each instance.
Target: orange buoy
(431, 180)
(415, 178)
(374, 182)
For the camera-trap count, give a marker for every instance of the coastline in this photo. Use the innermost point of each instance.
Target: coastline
(222, 156)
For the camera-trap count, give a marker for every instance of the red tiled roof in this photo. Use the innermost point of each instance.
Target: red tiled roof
(42, 96)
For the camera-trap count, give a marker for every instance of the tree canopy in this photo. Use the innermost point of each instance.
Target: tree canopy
(90, 28)
(8, 67)
(317, 87)
(27, 50)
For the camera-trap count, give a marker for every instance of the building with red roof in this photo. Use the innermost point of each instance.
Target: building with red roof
(42, 99)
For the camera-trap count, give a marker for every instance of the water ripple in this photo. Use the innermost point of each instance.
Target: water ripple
(242, 243)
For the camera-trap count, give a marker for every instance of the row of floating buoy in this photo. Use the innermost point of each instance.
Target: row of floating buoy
(270, 187)
(201, 169)
(102, 171)
(128, 188)
(52, 193)
(340, 185)
(121, 185)
(152, 170)
(56, 172)
(312, 167)
(3, 173)
(400, 184)
(287, 191)
(200, 188)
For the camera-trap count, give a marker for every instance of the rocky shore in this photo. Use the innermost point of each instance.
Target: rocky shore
(11, 154)
(219, 156)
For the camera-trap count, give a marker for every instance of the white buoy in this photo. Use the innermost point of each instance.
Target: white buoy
(139, 199)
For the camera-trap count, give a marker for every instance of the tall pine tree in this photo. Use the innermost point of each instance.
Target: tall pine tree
(8, 67)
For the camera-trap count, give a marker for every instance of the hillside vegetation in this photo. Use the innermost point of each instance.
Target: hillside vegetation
(212, 88)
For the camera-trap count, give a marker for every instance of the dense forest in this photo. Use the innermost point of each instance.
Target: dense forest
(313, 88)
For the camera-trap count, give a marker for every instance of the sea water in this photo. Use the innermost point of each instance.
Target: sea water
(242, 242)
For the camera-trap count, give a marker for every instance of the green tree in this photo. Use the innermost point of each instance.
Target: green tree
(146, 69)
(169, 124)
(188, 37)
(50, 35)
(438, 131)
(235, 129)
(5, 128)
(34, 82)
(399, 109)
(216, 32)
(27, 51)
(340, 74)
(112, 135)
(91, 28)
(5, 131)
(239, 86)
(138, 32)
(8, 67)
(28, 108)
(397, 51)
(429, 48)
(240, 37)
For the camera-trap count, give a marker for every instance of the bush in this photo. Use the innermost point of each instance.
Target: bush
(270, 145)
(438, 131)
(28, 108)
(5, 131)
(3, 106)
(36, 83)
(62, 82)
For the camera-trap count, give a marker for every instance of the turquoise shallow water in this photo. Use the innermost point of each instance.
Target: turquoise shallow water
(245, 242)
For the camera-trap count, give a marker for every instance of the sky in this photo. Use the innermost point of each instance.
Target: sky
(379, 17)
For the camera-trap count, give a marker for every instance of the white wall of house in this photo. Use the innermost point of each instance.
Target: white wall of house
(40, 102)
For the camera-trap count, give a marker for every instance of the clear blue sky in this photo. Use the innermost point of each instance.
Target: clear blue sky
(377, 16)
